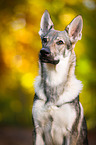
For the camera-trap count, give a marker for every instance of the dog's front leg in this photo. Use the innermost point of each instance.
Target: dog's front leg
(39, 140)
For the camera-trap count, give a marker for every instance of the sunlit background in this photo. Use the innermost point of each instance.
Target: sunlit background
(19, 47)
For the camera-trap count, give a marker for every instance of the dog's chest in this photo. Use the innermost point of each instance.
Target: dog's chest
(53, 118)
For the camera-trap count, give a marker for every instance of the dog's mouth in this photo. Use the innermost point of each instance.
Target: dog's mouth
(46, 57)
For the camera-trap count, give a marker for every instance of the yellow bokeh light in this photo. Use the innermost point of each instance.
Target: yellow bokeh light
(66, 18)
(19, 23)
(84, 66)
(27, 80)
(23, 35)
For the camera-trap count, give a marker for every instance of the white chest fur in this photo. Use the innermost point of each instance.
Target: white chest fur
(51, 120)
(62, 118)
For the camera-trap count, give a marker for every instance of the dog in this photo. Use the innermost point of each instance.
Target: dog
(57, 113)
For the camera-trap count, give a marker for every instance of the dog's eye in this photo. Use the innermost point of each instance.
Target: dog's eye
(59, 42)
(44, 40)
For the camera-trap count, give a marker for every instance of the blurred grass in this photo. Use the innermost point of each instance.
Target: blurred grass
(19, 47)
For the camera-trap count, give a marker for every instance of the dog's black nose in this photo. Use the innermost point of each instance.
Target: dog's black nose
(45, 51)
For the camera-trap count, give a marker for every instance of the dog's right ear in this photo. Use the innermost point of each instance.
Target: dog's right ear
(46, 23)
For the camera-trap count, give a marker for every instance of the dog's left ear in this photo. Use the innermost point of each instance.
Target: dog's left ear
(75, 29)
(46, 23)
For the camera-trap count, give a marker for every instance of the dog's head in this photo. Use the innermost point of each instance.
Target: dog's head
(58, 43)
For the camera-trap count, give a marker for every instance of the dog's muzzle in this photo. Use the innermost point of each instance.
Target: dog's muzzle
(46, 57)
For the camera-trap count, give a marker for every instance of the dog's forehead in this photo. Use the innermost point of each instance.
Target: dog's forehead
(63, 34)
(55, 34)
(52, 33)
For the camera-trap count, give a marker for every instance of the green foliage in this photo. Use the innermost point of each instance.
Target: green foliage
(19, 47)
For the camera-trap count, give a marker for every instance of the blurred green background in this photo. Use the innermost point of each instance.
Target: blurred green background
(19, 48)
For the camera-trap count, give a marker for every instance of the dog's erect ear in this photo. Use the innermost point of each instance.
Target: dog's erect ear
(46, 23)
(75, 29)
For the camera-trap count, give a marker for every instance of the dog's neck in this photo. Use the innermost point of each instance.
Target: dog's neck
(55, 75)
(57, 83)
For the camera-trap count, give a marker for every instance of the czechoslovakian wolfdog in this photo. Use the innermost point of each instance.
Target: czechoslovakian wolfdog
(57, 113)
